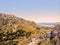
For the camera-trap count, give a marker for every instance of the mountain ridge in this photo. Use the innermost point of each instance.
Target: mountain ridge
(11, 22)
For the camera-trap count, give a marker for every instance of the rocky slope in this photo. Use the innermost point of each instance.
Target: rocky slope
(13, 29)
(15, 22)
(18, 31)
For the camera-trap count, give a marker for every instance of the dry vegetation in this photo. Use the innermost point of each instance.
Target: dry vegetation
(17, 31)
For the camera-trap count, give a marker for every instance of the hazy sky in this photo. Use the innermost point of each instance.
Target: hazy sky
(33, 10)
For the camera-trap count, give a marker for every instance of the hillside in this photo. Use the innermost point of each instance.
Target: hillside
(15, 22)
(13, 28)
(18, 31)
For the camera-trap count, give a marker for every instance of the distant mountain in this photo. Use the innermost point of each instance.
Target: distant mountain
(49, 24)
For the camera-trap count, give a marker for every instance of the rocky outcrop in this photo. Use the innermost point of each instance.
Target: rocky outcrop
(11, 20)
(14, 29)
